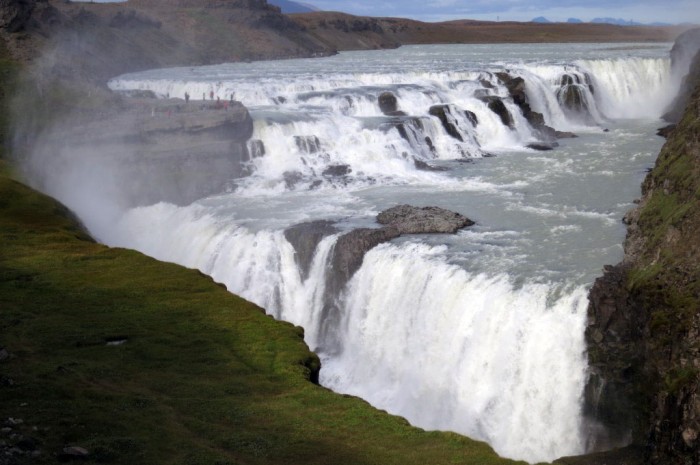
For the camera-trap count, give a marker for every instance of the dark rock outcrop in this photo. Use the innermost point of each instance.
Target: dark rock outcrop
(517, 89)
(666, 131)
(541, 146)
(403, 219)
(151, 151)
(337, 170)
(352, 247)
(14, 14)
(427, 220)
(388, 103)
(497, 106)
(443, 113)
(572, 95)
(305, 238)
(643, 333)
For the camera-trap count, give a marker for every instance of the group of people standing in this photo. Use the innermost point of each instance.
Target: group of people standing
(225, 104)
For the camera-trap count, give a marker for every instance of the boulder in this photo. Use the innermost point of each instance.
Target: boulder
(337, 170)
(423, 166)
(542, 146)
(565, 135)
(427, 220)
(388, 103)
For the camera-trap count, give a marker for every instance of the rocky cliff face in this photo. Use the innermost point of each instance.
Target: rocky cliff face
(152, 151)
(644, 314)
(684, 63)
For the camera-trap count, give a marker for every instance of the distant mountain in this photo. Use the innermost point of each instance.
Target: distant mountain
(540, 19)
(288, 6)
(616, 21)
(574, 21)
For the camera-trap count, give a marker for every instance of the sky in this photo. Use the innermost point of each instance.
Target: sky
(646, 11)
(643, 11)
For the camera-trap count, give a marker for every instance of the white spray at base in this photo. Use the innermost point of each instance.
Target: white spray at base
(418, 337)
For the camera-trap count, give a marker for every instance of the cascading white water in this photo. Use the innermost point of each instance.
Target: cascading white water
(481, 332)
(632, 87)
(464, 352)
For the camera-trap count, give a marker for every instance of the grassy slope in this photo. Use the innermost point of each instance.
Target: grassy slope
(205, 377)
(665, 279)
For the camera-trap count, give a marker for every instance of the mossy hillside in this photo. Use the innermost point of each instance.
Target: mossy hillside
(204, 377)
(666, 275)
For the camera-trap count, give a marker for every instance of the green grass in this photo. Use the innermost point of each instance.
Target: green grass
(204, 378)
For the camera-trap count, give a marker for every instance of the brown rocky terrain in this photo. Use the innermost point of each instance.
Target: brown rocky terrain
(346, 32)
(96, 41)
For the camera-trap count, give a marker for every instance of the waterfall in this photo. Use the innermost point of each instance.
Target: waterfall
(481, 332)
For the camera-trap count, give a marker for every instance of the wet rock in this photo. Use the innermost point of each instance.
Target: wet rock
(572, 95)
(443, 113)
(542, 146)
(292, 178)
(497, 106)
(388, 103)
(565, 135)
(256, 148)
(573, 98)
(614, 357)
(471, 116)
(426, 220)
(423, 166)
(486, 84)
(337, 170)
(308, 144)
(352, 247)
(305, 238)
(515, 86)
(663, 132)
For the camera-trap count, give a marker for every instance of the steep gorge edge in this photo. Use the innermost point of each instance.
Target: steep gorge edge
(643, 333)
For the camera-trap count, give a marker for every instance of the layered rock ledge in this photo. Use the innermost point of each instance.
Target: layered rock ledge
(155, 150)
